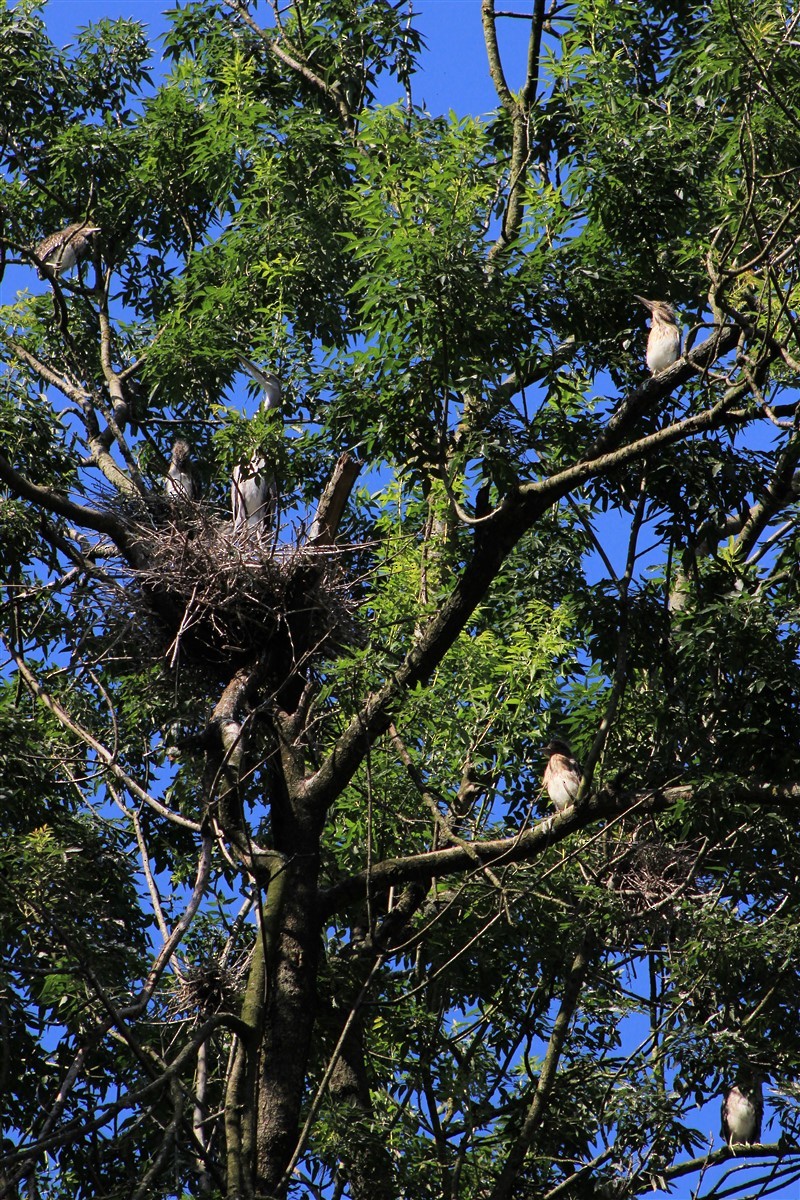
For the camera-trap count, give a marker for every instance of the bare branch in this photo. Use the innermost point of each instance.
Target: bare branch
(292, 58)
(333, 501)
(55, 502)
(100, 750)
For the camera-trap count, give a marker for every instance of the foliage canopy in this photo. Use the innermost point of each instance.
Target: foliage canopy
(283, 908)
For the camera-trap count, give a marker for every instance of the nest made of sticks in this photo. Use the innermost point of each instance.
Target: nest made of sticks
(219, 595)
(652, 878)
(652, 873)
(208, 988)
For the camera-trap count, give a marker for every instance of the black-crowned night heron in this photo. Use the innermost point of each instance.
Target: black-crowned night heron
(742, 1112)
(179, 483)
(664, 341)
(269, 383)
(562, 776)
(254, 493)
(61, 251)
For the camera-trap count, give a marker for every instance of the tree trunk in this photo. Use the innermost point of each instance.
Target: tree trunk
(288, 1025)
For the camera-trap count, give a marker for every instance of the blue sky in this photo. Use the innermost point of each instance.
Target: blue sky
(455, 74)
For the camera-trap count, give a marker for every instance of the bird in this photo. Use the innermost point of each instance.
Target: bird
(742, 1111)
(269, 383)
(562, 776)
(179, 483)
(664, 341)
(253, 496)
(254, 493)
(62, 250)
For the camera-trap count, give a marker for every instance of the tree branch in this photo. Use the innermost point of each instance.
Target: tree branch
(519, 110)
(524, 847)
(516, 514)
(102, 752)
(333, 500)
(292, 60)
(55, 502)
(547, 1076)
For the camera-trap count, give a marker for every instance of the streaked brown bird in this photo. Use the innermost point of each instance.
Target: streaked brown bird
(562, 776)
(742, 1111)
(61, 251)
(664, 341)
(179, 483)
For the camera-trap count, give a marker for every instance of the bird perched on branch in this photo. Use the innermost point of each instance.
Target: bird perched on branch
(664, 341)
(742, 1111)
(254, 493)
(562, 776)
(179, 483)
(61, 251)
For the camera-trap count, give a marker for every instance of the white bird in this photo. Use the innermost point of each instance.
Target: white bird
(742, 1111)
(269, 383)
(62, 250)
(562, 776)
(253, 496)
(664, 341)
(254, 492)
(179, 484)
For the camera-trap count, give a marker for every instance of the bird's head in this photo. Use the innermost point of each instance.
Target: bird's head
(557, 746)
(660, 310)
(266, 380)
(180, 452)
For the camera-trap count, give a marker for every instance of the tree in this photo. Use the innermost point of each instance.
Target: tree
(284, 910)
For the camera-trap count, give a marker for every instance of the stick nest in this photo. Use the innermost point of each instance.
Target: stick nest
(220, 596)
(651, 879)
(209, 988)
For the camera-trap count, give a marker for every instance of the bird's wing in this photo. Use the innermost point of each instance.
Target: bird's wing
(238, 509)
(253, 493)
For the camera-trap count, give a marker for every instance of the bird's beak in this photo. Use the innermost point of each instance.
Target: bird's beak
(647, 303)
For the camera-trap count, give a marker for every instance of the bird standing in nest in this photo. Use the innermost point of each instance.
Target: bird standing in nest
(179, 483)
(664, 341)
(254, 493)
(562, 776)
(62, 250)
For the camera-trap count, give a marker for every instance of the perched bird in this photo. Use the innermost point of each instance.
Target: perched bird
(254, 493)
(269, 383)
(742, 1111)
(562, 776)
(254, 496)
(179, 483)
(664, 341)
(61, 251)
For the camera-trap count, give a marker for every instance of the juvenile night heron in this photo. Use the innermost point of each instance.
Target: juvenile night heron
(742, 1111)
(179, 483)
(562, 776)
(269, 383)
(61, 251)
(254, 492)
(664, 341)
